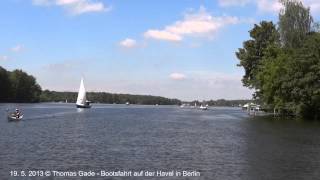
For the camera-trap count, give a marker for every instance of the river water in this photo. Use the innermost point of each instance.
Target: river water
(220, 143)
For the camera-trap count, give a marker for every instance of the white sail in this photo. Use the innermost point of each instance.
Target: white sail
(81, 100)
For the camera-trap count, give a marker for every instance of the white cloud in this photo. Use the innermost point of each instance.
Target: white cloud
(269, 6)
(225, 3)
(162, 35)
(274, 6)
(66, 2)
(177, 76)
(17, 48)
(199, 23)
(4, 58)
(265, 6)
(128, 43)
(75, 7)
(314, 5)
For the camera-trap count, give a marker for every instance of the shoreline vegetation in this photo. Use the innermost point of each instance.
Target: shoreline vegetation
(19, 87)
(282, 62)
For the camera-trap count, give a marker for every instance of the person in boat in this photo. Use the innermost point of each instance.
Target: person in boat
(17, 113)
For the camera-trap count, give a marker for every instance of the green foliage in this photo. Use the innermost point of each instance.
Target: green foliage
(287, 76)
(4, 85)
(102, 97)
(251, 54)
(24, 87)
(18, 86)
(295, 22)
(223, 102)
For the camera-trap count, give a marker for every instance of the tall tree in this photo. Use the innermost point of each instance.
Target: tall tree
(250, 56)
(305, 73)
(295, 22)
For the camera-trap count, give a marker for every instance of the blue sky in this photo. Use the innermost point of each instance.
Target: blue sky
(180, 49)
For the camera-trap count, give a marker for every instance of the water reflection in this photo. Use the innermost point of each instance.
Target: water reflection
(281, 149)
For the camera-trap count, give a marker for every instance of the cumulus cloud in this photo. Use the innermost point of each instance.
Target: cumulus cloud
(199, 23)
(177, 76)
(17, 48)
(75, 7)
(162, 35)
(128, 43)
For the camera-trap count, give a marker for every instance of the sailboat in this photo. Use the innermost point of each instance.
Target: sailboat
(82, 101)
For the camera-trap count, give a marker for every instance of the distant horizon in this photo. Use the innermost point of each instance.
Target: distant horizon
(187, 53)
(153, 95)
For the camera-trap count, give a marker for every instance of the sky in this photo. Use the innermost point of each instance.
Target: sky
(181, 49)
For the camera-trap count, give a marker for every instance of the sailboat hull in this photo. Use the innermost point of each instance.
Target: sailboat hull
(83, 106)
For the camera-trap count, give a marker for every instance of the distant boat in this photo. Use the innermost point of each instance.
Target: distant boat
(127, 103)
(245, 106)
(203, 107)
(82, 101)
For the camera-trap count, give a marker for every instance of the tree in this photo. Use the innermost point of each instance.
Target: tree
(24, 87)
(4, 85)
(291, 78)
(272, 76)
(286, 75)
(250, 56)
(305, 72)
(295, 22)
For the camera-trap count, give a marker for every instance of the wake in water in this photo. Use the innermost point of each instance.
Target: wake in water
(53, 115)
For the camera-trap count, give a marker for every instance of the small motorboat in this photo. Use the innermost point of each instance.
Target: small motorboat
(204, 107)
(13, 117)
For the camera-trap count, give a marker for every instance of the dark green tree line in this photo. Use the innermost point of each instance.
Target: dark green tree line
(18, 86)
(109, 98)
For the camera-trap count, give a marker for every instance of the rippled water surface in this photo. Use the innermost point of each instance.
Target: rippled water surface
(221, 143)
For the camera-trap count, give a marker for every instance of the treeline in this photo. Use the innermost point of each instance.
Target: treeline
(221, 102)
(108, 98)
(18, 86)
(282, 62)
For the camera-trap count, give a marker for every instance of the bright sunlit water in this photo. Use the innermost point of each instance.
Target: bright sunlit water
(221, 143)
